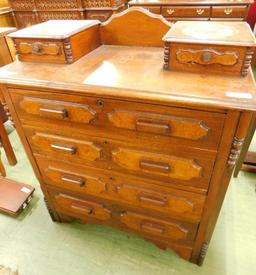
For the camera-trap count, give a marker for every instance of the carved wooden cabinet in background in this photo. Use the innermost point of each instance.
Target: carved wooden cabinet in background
(116, 140)
(217, 10)
(30, 12)
(6, 16)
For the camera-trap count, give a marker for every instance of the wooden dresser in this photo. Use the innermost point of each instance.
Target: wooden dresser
(116, 140)
(174, 10)
(30, 12)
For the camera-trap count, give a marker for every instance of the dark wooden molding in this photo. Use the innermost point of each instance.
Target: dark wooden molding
(53, 215)
(247, 61)
(203, 252)
(166, 55)
(68, 51)
(235, 151)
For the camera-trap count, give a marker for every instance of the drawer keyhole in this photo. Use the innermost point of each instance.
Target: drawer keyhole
(100, 103)
(206, 57)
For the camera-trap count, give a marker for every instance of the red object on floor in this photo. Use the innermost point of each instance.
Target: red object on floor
(251, 18)
(14, 196)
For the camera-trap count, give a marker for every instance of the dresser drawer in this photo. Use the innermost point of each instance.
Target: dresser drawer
(174, 203)
(65, 148)
(157, 164)
(122, 188)
(229, 11)
(188, 166)
(145, 123)
(153, 9)
(172, 230)
(185, 11)
(41, 51)
(79, 208)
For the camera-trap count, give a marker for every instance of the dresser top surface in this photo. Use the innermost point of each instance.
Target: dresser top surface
(190, 2)
(135, 73)
(209, 32)
(5, 30)
(55, 29)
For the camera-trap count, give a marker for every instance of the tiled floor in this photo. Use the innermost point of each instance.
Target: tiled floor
(35, 245)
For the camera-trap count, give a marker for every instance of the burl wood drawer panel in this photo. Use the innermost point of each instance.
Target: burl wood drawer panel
(79, 207)
(185, 11)
(122, 188)
(173, 230)
(146, 123)
(213, 58)
(188, 166)
(40, 50)
(229, 11)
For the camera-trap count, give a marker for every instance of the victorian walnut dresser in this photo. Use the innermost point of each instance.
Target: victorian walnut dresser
(115, 139)
(218, 10)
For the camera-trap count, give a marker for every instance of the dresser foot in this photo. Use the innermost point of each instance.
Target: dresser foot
(65, 218)
(203, 253)
(54, 216)
(161, 246)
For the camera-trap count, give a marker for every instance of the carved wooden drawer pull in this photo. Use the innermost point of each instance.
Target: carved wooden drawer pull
(152, 126)
(228, 11)
(64, 148)
(51, 112)
(170, 11)
(155, 166)
(199, 11)
(37, 48)
(152, 199)
(152, 227)
(87, 209)
(73, 179)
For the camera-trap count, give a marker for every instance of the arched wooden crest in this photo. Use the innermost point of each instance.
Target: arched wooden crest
(134, 27)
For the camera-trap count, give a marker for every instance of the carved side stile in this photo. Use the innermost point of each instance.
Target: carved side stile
(203, 253)
(239, 138)
(247, 61)
(68, 51)
(235, 151)
(51, 213)
(166, 56)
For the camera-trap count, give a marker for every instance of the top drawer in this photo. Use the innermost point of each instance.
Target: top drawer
(123, 120)
(40, 51)
(229, 11)
(186, 11)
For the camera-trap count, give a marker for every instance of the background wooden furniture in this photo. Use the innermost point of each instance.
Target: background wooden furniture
(7, 50)
(29, 12)
(247, 160)
(116, 140)
(174, 10)
(7, 55)
(6, 15)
